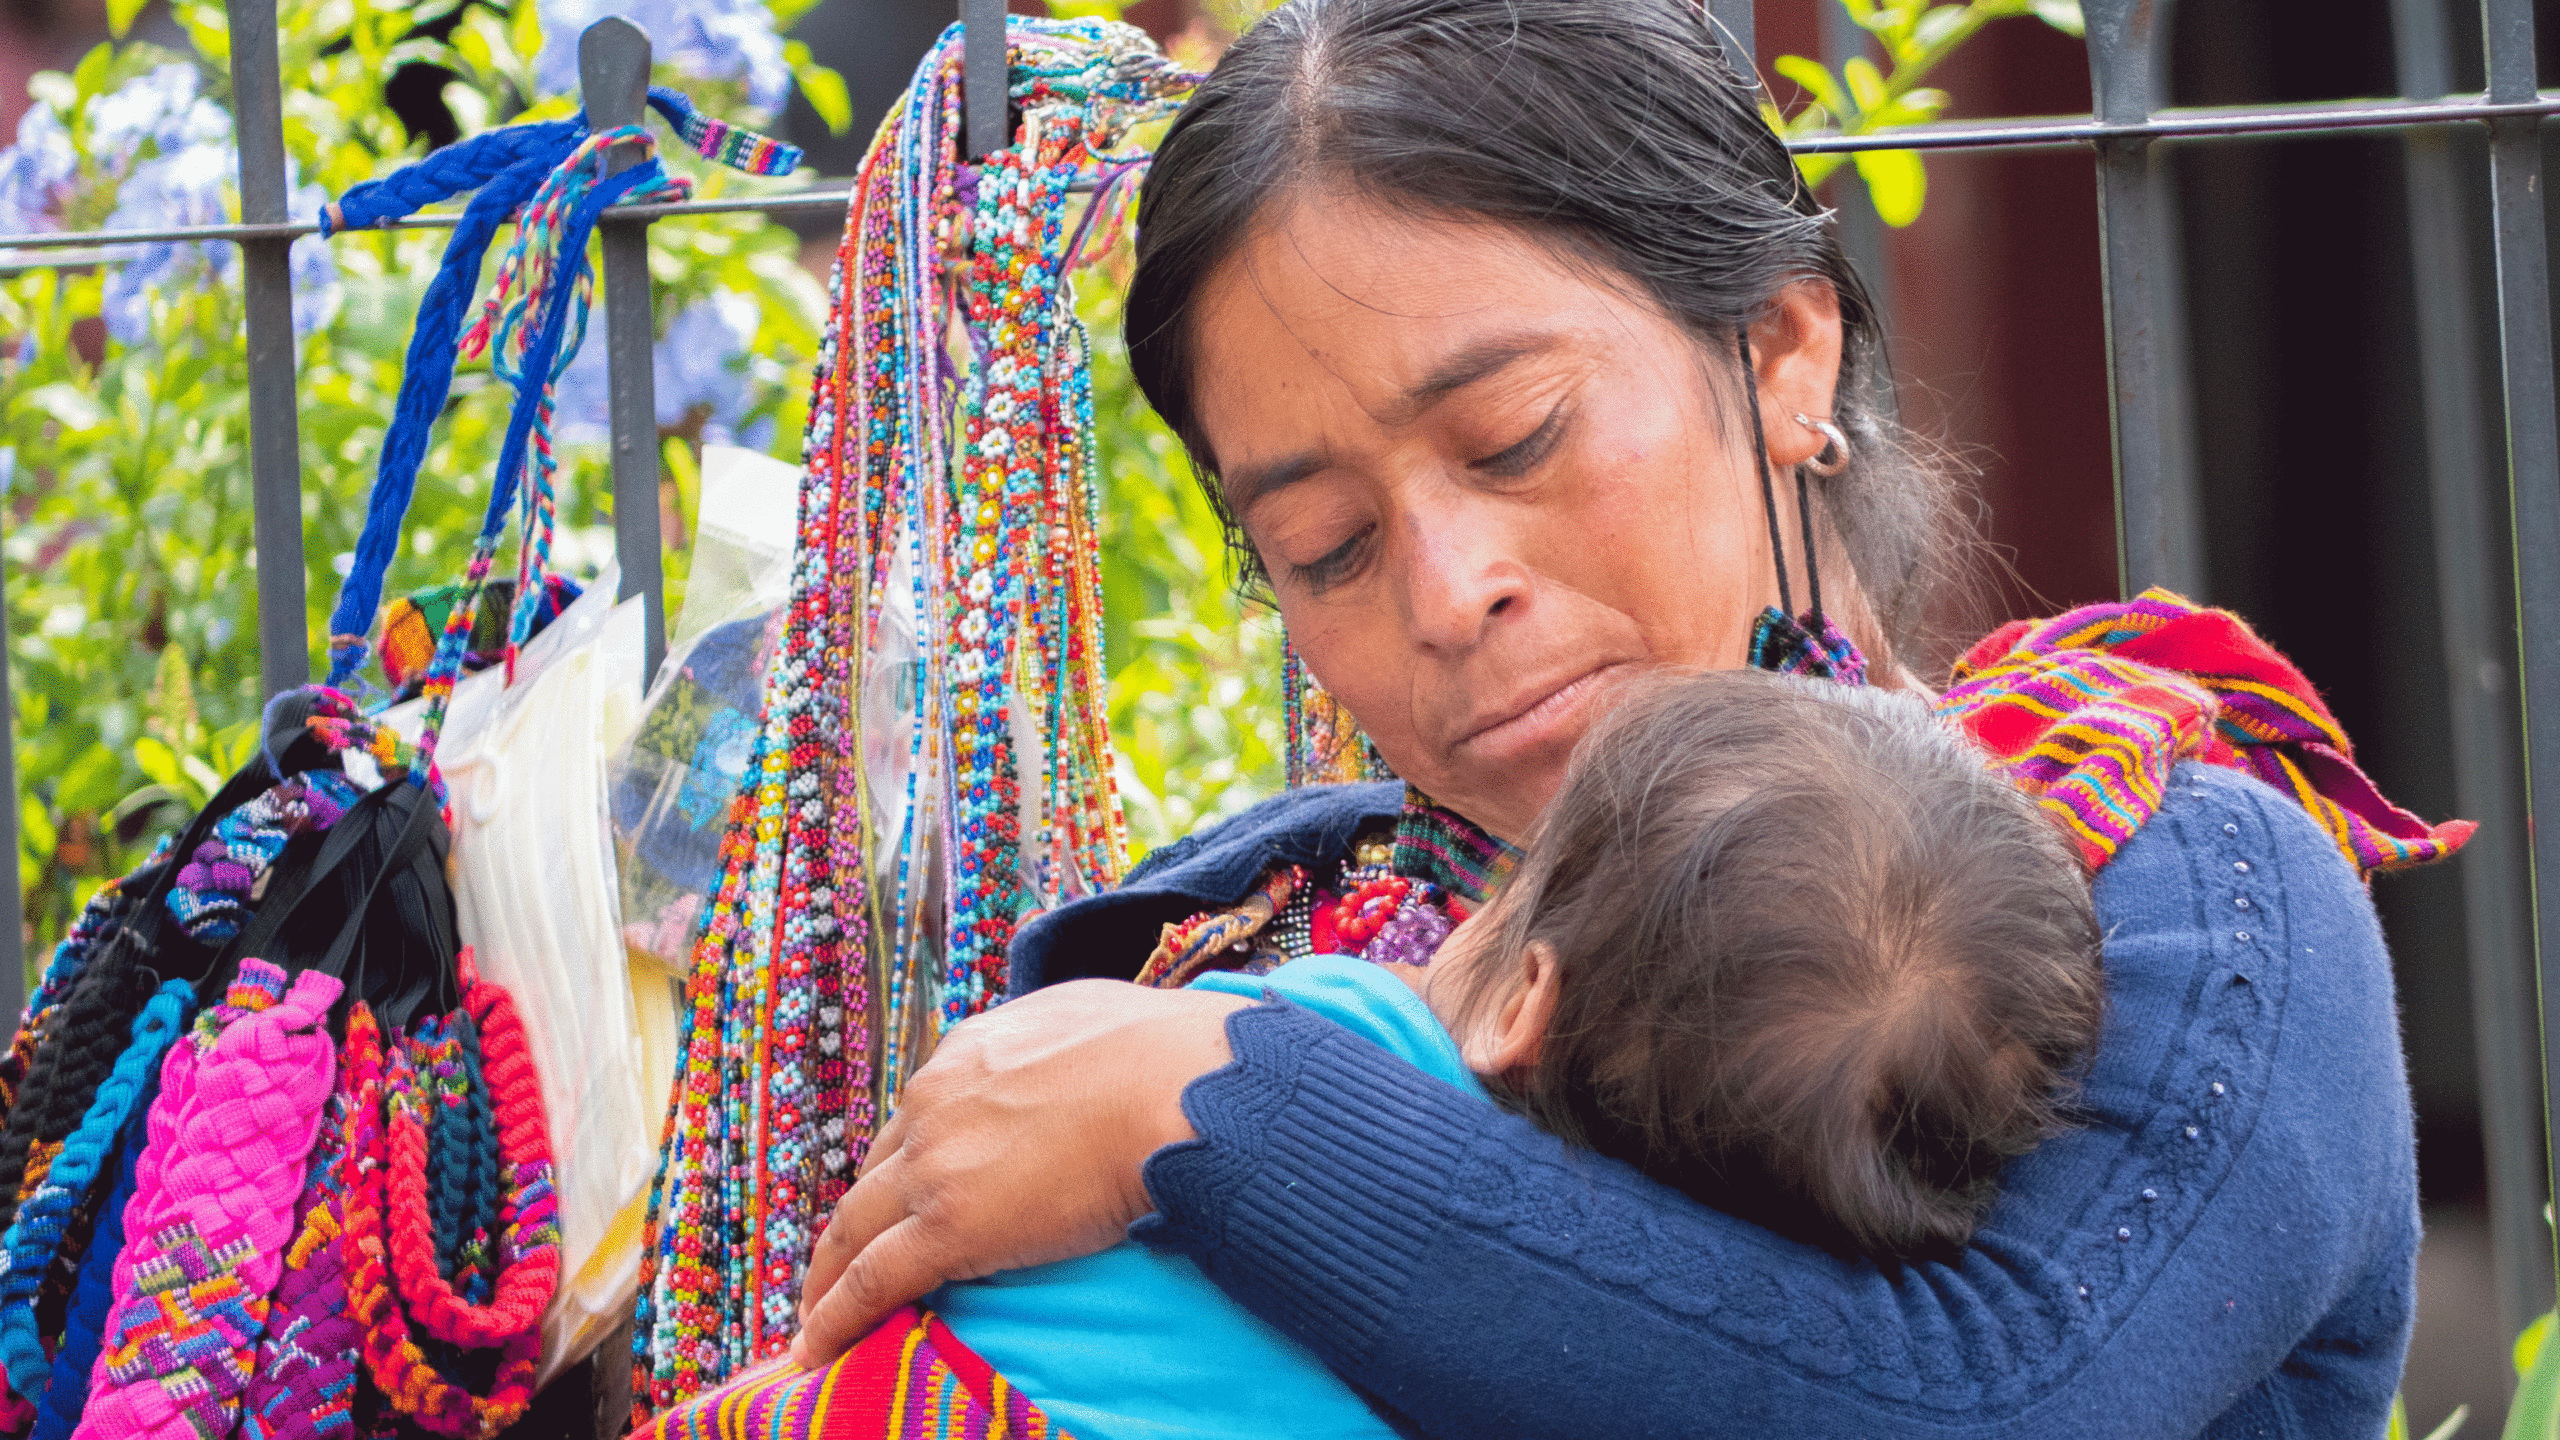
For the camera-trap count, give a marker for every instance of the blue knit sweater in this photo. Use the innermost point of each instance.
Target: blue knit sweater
(2226, 1248)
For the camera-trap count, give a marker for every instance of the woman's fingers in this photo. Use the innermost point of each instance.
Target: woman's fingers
(897, 1266)
(870, 1208)
(1018, 1143)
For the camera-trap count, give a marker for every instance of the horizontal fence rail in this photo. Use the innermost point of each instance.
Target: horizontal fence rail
(2511, 744)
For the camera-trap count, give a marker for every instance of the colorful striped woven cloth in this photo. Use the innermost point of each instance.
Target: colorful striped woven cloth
(2092, 708)
(909, 1379)
(212, 1209)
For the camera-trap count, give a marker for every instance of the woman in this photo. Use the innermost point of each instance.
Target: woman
(1480, 317)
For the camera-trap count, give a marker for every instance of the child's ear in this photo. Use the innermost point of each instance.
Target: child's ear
(1519, 1029)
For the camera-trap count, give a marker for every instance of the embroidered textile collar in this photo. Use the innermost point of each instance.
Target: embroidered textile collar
(1446, 848)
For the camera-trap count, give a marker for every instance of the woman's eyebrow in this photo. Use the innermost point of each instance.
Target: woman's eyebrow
(1245, 484)
(1476, 362)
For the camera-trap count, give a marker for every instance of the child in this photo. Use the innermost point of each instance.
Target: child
(1790, 946)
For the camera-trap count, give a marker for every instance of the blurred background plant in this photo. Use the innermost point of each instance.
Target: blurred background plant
(123, 404)
(123, 410)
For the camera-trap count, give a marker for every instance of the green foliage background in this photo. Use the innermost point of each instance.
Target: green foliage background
(130, 577)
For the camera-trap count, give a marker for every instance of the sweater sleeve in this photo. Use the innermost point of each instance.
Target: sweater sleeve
(2226, 1244)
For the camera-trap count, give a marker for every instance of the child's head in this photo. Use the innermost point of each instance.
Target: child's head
(1794, 948)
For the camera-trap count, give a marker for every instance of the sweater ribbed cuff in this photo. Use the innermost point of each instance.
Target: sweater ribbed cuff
(1316, 1181)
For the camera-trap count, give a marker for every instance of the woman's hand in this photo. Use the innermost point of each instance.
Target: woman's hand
(1018, 1143)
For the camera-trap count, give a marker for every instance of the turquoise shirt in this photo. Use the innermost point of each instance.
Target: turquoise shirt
(1134, 1344)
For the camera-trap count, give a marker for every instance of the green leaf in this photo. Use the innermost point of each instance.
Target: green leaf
(1817, 168)
(1816, 81)
(1078, 9)
(1897, 182)
(2452, 1423)
(2534, 1414)
(76, 409)
(2062, 15)
(158, 761)
(1865, 85)
(1935, 25)
(207, 779)
(826, 93)
(90, 75)
(120, 15)
(92, 783)
(35, 827)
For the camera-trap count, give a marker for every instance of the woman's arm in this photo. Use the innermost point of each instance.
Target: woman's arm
(2242, 1201)
(1018, 1144)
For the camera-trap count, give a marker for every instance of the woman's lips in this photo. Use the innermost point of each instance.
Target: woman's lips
(1555, 715)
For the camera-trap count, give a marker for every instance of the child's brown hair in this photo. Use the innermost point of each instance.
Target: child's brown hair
(1819, 963)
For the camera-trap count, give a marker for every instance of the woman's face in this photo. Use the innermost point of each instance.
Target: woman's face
(1488, 484)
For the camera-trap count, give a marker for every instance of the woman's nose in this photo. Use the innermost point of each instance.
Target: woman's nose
(1464, 575)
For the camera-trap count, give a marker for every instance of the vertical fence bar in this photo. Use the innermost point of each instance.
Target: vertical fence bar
(2533, 475)
(2479, 648)
(1734, 18)
(1862, 230)
(613, 83)
(983, 58)
(2157, 540)
(266, 287)
(13, 918)
(613, 80)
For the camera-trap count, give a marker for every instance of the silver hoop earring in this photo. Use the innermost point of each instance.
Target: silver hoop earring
(1834, 457)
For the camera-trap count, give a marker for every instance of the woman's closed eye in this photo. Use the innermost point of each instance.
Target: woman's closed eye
(1333, 566)
(1520, 458)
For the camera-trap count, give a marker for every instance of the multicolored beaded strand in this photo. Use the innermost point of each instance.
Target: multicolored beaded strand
(945, 608)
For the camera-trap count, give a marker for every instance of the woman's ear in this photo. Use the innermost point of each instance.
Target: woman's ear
(1511, 1040)
(1795, 346)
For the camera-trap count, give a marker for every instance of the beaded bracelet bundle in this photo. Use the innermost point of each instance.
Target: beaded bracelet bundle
(933, 762)
(328, 1205)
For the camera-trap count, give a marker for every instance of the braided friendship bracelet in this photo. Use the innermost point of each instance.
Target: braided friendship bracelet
(231, 1135)
(476, 1258)
(66, 1396)
(376, 1241)
(212, 897)
(42, 1217)
(408, 1380)
(532, 1267)
(305, 1382)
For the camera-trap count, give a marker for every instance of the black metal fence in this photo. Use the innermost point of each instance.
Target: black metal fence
(2513, 922)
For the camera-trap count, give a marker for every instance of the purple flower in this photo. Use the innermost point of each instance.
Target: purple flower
(313, 266)
(192, 186)
(698, 39)
(183, 188)
(35, 172)
(701, 363)
(160, 105)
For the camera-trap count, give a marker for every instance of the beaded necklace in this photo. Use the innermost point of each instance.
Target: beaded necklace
(934, 720)
(389, 1246)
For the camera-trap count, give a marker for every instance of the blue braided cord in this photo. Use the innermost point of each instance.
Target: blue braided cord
(449, 172)
(427, 369)
(87, 1322)
(27, 1250)
(536, 365)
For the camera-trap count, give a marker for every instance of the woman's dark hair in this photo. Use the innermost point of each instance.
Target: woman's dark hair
(1617, 128)
(1818, 962)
